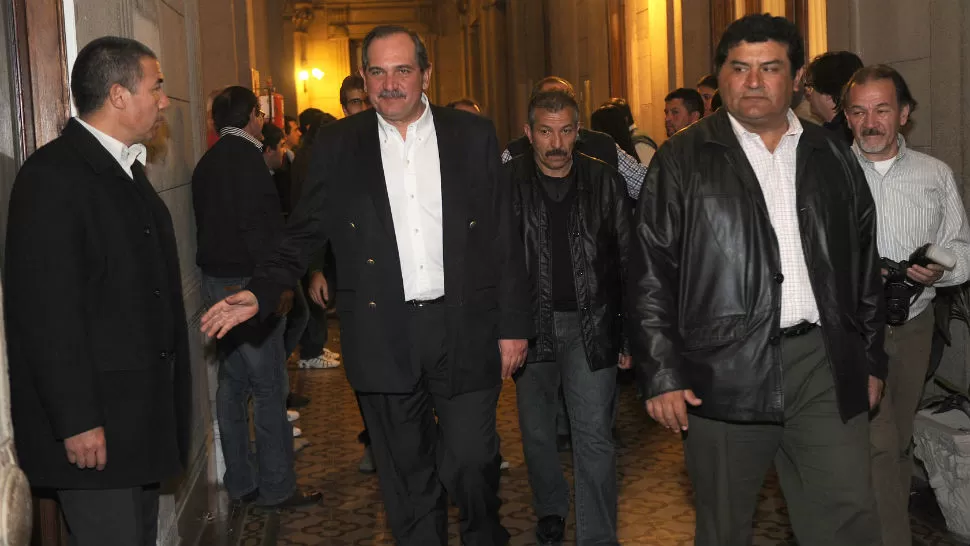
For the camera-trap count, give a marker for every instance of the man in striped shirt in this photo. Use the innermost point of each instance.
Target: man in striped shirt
(917, 202)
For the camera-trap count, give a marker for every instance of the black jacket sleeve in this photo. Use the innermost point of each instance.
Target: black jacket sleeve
(654, 279)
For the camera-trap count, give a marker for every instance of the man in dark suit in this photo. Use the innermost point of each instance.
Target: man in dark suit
(434, 301)
(99, 366)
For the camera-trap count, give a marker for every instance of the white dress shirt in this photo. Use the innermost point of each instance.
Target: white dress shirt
(124, 155)
(776, 176)
(917, 202)
(412, 172)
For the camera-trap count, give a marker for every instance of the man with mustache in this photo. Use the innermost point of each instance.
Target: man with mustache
(592, 143)
(573, 215)
(434, 296)
(917, 202)
(756, 309)
(100, 366)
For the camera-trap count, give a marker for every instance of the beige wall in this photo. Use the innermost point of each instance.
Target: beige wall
(649, 76)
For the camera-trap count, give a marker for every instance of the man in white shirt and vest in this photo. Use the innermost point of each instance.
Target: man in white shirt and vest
(434, 302)
(917, 202)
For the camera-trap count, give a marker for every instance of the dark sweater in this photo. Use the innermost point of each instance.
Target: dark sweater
(237, 209)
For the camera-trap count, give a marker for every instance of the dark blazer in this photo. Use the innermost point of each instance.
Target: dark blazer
(237, 209)
(345, 200)
(95, 319)
(706, 280)
(592, 143)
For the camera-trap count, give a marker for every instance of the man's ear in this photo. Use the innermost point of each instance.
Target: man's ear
(118, 96)
(904, 115)
(527, 129)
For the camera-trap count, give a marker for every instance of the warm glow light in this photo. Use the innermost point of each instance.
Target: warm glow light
(304, 75)
(317, 73)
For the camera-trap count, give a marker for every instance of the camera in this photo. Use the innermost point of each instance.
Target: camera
(900, 290)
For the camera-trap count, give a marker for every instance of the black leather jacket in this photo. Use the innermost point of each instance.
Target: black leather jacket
(705, 273)
(599, 227)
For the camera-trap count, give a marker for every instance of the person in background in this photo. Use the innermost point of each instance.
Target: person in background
(682, 107)
(467, 104)
(707, 87)
(642, 143)
(613, 121)
(353, 97)
(825, 77)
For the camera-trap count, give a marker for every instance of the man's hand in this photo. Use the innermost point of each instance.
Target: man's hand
(926, 276)
(513, 353)
(87, 449)
(318, 289)
(625, 362)
(875, 391)
(231, 311)
(670, 409)
(286, 303)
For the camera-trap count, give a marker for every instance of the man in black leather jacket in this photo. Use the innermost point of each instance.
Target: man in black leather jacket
(573, 215)
(757, 301)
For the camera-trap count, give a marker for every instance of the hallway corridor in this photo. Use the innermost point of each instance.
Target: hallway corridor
(655, 505)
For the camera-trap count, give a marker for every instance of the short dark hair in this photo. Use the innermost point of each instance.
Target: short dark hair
(467, 101)
(829, 72)
(716, 101)
(103, 63)
(612, 120)
(881, 72)
(233, 107)
(692, 99)
(624, 107)
(310, 118)
(286, 124)
(554, 101)
(272, 136)
(383, 31)
(537, 88)
(350, 83)
(709, 80)
(758, 28)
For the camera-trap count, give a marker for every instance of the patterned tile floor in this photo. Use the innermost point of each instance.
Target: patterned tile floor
(655, 504)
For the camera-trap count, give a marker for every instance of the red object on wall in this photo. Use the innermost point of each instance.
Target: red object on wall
(272, 106)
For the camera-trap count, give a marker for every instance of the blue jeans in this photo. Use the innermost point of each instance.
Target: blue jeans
(589, 397)
(252, 363)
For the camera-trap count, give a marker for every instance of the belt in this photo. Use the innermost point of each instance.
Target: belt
(799, 329)
(425, 303)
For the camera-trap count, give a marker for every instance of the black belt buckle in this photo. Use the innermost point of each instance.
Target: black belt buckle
(799, 329)
(425, 303)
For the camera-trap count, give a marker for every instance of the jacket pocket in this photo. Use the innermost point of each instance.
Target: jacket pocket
(714, 333)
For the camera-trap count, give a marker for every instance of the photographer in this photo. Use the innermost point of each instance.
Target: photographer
(916, 203)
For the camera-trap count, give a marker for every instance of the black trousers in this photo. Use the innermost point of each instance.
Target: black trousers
(111, 517)
(418, 460)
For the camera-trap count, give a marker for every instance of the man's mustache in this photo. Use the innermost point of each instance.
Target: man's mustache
(872, 132)
(557, 152)
(391, 94)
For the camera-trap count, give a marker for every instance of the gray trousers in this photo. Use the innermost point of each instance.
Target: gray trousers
(891, 430)
(822, 463)
(589, 397)
(111, 517)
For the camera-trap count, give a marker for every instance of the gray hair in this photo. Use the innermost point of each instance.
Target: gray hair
(553, 101)
(383, 31)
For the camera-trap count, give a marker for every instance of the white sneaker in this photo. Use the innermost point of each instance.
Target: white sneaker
(297, 432)
(329, 362)
(330, 355)
(292, 415)
(317, 362)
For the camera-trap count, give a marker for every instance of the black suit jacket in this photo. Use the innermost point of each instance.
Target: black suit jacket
(345, 200)
(95, 319)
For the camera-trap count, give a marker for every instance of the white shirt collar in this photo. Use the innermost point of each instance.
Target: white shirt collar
(794, 127)
(420, 125)
(242, 133)
(124, 155)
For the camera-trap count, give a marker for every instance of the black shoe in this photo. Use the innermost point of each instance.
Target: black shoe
(550, 530)
(564, 443)
(296, 401)
(299, 498)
